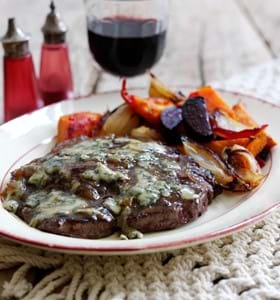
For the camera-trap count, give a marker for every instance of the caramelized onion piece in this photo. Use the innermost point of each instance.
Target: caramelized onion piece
(223, 120)
(159, 90)
(209, 160)
(245, 167)
(121, 121)
(145, 133)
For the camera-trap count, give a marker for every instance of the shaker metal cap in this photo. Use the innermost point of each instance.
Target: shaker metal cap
(54, 29)
(15, 41)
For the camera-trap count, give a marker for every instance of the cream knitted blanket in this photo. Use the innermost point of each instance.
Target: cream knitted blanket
(245, 265)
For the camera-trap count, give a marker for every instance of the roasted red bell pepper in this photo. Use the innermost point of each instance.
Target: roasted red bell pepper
(148, 108)
(229, 134)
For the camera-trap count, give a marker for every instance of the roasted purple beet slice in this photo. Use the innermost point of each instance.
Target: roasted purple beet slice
(171, 119)
(196, 119)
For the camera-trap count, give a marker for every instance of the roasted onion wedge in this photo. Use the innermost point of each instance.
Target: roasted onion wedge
(245, 167)
(145, 133)
(223, 120)
(160, 90)
(209, 160)
(121, 121)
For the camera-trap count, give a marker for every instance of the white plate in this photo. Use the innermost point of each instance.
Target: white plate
(30, 136)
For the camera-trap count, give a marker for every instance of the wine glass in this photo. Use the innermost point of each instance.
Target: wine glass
(127, 37)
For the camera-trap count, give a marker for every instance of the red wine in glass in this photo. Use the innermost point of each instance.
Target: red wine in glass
(126, 46)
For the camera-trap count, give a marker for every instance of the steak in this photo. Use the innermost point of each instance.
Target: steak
(91, 188)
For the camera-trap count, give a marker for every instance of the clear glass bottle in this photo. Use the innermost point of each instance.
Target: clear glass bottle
(55, 71)
(20, 85)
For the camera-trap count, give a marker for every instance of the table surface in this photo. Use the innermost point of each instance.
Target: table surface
(208, 41)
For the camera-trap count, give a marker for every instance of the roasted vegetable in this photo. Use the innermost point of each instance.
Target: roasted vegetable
(196, 119)
(245, 167)
(223, 120)
(228, 128)
(240, 122)
(149, 109)
(209, 160)
(262, 157)
(171, 117)
(236, 133)
(220, 145)
(145, 133)
(242, 116)
(246, 133)
(258, 144)
(213, 100)
(171, 121)
(121, 121)
(159, 90)
(77, 124)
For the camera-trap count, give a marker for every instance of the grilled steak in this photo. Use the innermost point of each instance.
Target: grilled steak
(91, 188)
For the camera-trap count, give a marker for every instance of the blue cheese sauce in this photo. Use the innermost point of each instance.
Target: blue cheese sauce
(103, 173)
(148, 162)
(58, 203)
(149, 189)
(55, 203)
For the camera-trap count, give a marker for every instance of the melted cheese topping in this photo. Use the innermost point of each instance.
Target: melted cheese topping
(58, 203)
(155, 177)
(103, 173)
(55, 203)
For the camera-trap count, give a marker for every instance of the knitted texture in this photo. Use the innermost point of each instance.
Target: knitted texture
(245, 265)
